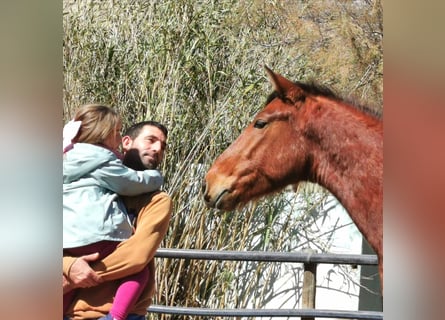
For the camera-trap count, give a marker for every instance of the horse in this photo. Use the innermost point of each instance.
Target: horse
(305, 132)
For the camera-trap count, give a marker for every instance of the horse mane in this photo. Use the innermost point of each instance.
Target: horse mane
(312, 88)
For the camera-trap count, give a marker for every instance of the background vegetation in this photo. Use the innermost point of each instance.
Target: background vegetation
(197, 66)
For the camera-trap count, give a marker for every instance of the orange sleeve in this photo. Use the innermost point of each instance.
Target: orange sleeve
(67, 263)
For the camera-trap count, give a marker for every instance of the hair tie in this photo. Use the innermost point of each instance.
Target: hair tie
(70, 130)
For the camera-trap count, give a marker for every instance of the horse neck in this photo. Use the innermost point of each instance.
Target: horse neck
(347, 159)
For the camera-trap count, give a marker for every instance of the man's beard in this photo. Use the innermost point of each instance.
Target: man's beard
(150, 165)
(133, 160)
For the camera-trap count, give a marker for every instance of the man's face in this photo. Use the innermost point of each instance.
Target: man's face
(146, 151)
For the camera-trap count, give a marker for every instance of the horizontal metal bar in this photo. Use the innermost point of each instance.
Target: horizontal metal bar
(320, 313)
(302, 257)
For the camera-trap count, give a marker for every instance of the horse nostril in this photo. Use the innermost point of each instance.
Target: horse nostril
(207, 197)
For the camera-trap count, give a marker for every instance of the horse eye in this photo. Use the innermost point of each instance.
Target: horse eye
(260, 124)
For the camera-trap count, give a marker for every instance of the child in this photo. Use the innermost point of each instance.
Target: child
(94, 217)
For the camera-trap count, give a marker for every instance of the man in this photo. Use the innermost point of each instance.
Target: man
(144, 146)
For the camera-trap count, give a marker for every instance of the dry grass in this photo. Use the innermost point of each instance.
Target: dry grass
(196, 66)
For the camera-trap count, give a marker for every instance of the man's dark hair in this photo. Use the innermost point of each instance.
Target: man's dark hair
(135, 129)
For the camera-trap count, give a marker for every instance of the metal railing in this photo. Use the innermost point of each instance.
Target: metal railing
(310, 261)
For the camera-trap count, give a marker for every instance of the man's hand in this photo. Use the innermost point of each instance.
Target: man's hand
(67, 286)
(81, 275)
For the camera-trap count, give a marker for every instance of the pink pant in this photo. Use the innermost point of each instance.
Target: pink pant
(129, 290)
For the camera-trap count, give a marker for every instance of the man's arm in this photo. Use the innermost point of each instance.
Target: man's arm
(133, 254)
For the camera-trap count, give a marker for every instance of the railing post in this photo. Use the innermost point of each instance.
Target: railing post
(309, 285)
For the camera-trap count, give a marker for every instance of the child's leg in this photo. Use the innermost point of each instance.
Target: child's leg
(104, 248)
(128, 293)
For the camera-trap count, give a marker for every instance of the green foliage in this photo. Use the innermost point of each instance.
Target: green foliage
(197, 66)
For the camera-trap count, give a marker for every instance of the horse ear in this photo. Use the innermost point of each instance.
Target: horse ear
(283, 86)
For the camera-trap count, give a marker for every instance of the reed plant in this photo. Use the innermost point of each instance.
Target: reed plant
(197, 67)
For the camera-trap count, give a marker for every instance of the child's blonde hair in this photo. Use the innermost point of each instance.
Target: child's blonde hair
(98, 122)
